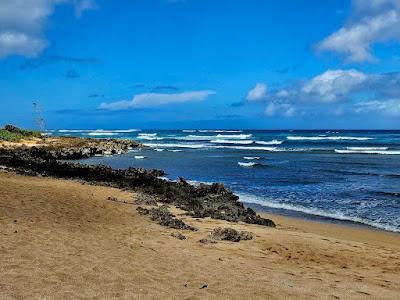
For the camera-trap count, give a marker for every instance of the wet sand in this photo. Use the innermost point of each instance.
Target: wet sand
(63, 239)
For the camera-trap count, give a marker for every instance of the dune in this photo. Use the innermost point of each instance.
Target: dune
(65, 239)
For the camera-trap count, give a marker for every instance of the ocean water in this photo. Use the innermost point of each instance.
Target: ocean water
(334, 176)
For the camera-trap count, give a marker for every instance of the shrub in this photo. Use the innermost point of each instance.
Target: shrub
(9, 136)
(27, 133)
(12, 134)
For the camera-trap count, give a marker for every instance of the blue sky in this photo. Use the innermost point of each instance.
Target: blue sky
(201, 64)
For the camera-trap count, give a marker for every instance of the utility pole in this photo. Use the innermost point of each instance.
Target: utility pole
(39, 121)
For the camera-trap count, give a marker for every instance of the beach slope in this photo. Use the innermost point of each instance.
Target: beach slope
(65, 239)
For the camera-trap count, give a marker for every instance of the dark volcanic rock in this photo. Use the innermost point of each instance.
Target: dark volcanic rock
(163, 217)
(213, 201)
(230, 234)
(145, 199)
(207, 241)
(178, 235)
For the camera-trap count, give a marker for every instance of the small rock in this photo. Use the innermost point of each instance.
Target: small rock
(207, 241)
(178, 235)
(230, 234)
(204, 286)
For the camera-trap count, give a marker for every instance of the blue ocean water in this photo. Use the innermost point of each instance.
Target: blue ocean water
(334, 175)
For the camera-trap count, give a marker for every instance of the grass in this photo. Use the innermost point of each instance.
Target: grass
(11, 133)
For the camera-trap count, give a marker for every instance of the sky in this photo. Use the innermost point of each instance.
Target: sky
(182, 64)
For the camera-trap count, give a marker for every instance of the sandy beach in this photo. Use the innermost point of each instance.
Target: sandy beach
(64, 239)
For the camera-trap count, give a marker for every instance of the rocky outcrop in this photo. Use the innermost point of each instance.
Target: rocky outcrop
(230, 234)
(163, 217)
(214, 201)
(79, 148)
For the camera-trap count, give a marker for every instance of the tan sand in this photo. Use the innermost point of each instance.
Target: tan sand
(60, 239)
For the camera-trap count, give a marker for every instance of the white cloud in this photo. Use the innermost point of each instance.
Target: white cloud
(334, 92)
(332, 85)
(374, 21)
(328, 87)
(257, 93)
(21, 44)
(276, 108)
(22, 23)
(389, 107)
(157, 99)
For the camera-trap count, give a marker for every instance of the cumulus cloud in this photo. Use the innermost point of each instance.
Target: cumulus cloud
(21, 44)
(375, 21)
(22, 23)
(157, 99)
(257, 93)
(328, 87)
(331, 86)
(337, 90)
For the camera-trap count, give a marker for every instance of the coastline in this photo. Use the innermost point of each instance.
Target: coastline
(70, 230)
(356, 233)
(62, 238)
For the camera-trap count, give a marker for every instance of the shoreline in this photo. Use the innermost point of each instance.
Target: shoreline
(335, 230)
(65, 239)
(297, 215)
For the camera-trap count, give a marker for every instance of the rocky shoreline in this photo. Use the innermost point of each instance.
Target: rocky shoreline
(49, 159)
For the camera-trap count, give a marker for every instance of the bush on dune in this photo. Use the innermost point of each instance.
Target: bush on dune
(13, 134)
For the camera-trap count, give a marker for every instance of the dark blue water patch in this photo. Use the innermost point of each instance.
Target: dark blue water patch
(386, 193)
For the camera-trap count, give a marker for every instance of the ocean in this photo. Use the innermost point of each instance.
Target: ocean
(327, 175)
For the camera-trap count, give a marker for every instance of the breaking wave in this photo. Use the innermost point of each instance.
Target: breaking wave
(335, 214)
(328, 138)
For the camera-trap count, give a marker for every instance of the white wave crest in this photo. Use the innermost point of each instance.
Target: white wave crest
(383, 152)
(273, 142)
(367, 148)
(194, 146)
(271, 149)
(251, 157)
(102, 133)
(329, 138)
(149, 138)
(97, 130)
(147, 134)
(234, 136)
(247, 164)
(158, 149)
(196, 137)
(140, 157)
(200, 146)
(221, 131)
(314, 211)
(242, 142)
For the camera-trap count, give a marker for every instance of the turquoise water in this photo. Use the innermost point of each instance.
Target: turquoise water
(332, 175)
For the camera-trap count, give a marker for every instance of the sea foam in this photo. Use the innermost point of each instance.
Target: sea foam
(247, 164)
(334, 214)
(329, 138)
(383, 152)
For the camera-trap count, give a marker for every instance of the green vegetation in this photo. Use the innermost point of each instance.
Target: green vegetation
(13, 134)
